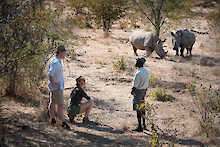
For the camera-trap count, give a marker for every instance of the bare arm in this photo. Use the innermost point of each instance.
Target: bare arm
(55, 85)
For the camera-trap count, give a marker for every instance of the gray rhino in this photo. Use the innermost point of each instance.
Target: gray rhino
(148, 41)
(183, 39)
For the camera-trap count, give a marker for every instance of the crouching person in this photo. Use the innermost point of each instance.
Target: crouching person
(76, 107)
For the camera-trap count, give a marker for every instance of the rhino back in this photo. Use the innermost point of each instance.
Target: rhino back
(188, 39)
(141, 39)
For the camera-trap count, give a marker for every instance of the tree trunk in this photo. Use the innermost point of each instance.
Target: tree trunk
(12, 81)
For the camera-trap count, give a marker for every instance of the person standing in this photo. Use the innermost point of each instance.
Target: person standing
(56, 87)
(139, 89)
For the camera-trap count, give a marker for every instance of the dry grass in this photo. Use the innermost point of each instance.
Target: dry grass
(216, 71)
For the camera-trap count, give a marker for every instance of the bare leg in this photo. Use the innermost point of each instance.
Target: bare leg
(86, 107)
(51, 108)
(60, 112)
(91, 103)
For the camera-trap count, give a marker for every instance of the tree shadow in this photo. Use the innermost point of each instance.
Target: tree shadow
(175, 86)
(26, 101)
(196, 60)
(174, 139)
(17, 132)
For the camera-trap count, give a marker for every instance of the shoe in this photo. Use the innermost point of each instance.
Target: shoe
(85, 120)
(138, 129)
(53, 121)
(66, 126)
(71, 118)
(145, 128)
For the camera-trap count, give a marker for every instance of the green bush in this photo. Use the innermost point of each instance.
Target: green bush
(120, 64)
(28, 36)
(161, 95)
(152, 81)
(207, 101)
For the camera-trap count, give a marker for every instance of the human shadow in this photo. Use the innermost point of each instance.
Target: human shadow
(105, 105)
(99, 127)
(97, 140)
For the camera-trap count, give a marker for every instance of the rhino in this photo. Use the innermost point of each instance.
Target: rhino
(183, 39)
(148, 41)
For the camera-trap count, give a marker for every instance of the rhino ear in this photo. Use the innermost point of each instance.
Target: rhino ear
(172, 34)
(158, 41)
(164, 40)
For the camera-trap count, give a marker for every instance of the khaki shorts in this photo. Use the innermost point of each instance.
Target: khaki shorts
(56, 96)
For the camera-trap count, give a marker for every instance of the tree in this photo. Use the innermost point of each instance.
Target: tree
(26, 41)
(104, 12)
(156, 11)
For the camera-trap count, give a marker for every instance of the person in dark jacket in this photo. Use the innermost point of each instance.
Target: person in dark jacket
(76, 106)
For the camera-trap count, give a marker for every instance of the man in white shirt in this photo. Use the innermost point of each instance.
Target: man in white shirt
(56, 87)
(139, 90)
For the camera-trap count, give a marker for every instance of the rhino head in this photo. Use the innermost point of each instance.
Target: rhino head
(159, 49)
(176, 39)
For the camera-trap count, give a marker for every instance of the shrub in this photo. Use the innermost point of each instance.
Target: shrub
(120, 64)
(207, 100)
(27, 38)
(152, 81)
(161, 95)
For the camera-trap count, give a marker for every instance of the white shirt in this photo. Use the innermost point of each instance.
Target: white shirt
(141, 78)
(56, 71)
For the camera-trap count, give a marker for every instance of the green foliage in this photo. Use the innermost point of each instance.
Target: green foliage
(157, 10)
(214, 15)
(106, 11)
(27, 37)
(161, 95)
(120, 64)
(103, 12)
(78, 5)
(208, 103)
(177, 7)
(191, 87)
(152, 81)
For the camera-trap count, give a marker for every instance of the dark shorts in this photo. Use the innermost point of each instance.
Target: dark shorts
(74, 109)
(139, 98)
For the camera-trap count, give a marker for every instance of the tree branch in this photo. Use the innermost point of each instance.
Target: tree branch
(145, 14)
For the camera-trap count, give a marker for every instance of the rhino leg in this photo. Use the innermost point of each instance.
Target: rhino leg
(177, 52)
(182, 51)
(188, 50)
(135, 50)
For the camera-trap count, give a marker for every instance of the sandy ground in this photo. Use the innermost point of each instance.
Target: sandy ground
(112, 115)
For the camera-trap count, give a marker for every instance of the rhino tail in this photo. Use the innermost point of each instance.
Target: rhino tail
(199, 32)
